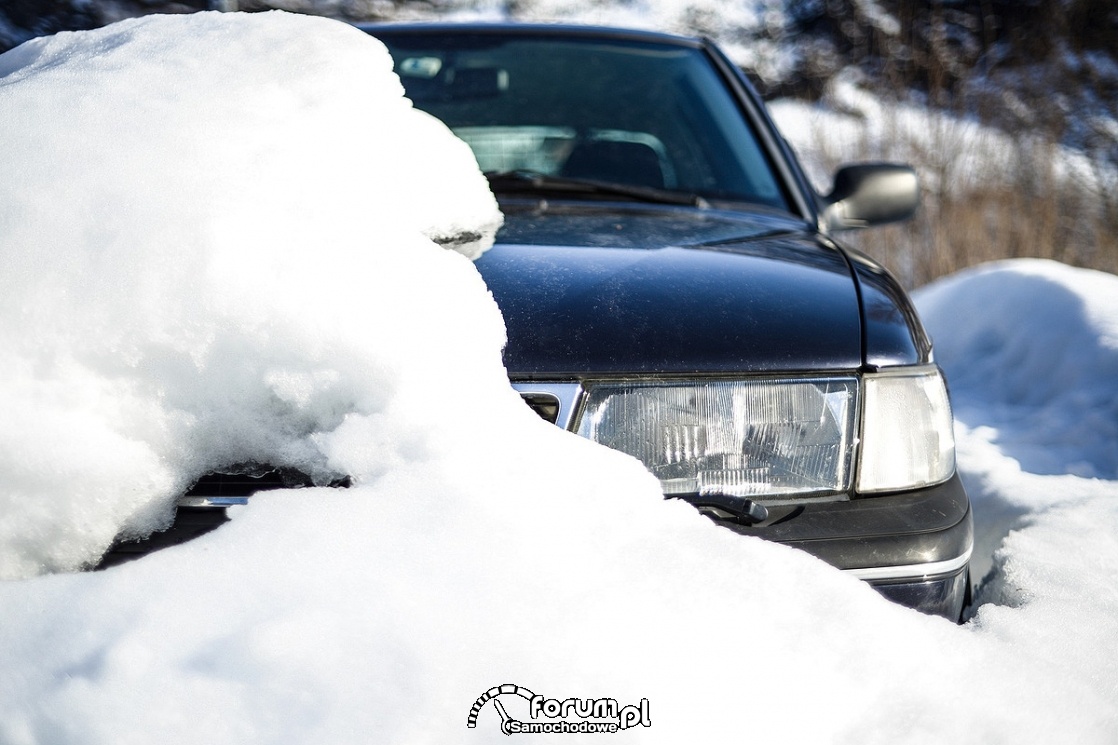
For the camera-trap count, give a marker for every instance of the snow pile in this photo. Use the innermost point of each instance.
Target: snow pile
(1051, 388)
(1030, 348)
(209, 313)
(193, 258)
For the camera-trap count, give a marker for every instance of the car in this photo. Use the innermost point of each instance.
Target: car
(673, 288)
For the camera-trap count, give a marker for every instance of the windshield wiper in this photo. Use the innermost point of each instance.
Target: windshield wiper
(522, 181)
(726, 506)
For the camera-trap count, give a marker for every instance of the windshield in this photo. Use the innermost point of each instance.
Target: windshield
(638, 113)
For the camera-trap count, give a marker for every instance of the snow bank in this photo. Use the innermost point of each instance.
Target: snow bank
(1031, 349)
(194, 246)
(195, 302)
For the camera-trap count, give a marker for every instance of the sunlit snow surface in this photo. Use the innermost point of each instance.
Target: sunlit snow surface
(196, 220)
(212, 235)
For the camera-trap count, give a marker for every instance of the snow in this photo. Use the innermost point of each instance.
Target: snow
(172, 232)
(956, 155)
(204, 267)
(878, 17)
(748, 30)
(1052, 390)
(1034, 384)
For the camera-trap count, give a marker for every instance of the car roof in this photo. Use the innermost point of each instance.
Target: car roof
(515, 28)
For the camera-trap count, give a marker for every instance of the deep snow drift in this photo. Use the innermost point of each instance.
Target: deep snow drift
(1030, 348)
(256, 283)
(194, 247)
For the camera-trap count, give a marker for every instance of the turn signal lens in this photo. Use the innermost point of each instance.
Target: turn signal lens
(907, 436)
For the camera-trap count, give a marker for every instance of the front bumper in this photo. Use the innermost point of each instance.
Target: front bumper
(945, 596)
(914, 547)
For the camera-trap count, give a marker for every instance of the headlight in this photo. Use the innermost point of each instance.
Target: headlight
(907, 438)
(751, 438)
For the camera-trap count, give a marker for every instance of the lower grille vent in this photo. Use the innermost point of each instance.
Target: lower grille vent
(544, 404)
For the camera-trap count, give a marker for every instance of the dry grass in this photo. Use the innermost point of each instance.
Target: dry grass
(1028, 203)
(952, 232)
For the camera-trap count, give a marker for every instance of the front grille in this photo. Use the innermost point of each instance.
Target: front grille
(555, 402)
(202, 508)
(242, 484)
(243, 480)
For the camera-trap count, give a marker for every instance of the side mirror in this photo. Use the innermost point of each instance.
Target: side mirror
(870, 194)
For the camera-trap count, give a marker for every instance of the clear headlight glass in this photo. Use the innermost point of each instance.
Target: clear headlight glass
(748, 438)
(907, 436)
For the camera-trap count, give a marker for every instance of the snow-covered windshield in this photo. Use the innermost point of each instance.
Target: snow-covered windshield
(622, 111)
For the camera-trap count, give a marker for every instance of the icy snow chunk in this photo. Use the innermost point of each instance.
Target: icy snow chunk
(215, 238)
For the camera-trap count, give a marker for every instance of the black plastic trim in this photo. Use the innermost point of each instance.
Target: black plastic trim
(898, 530)
(945, 596)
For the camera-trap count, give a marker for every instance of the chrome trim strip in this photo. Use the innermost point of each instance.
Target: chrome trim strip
(916, 572)
(210, 501)
(905, 371)
(568, 395)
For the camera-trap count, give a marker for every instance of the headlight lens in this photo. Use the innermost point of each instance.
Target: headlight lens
(907, 437)
(752, 438)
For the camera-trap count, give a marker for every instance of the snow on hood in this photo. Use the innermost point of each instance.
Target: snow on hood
(209, 260)
(210, 255)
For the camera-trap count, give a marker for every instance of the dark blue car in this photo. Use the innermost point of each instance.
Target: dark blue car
(673, 289)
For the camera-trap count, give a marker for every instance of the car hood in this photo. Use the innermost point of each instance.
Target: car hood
(669, 291)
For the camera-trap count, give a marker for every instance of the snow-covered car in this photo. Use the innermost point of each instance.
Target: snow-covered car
(672, 289)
